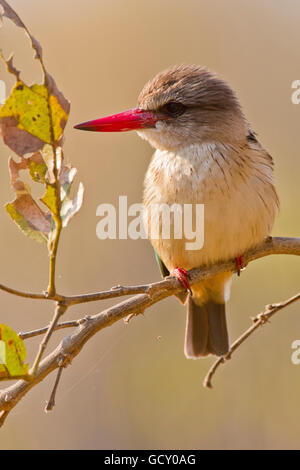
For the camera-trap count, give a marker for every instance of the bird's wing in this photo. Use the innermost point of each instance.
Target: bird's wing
(165, 272)
(162, 267)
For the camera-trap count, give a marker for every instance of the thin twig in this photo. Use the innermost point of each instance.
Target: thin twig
(3, 417)
(258, 321)
(117, 291)
(114, 292)
(40, 331)
(27, 295)
(59, 311)
(51, 403)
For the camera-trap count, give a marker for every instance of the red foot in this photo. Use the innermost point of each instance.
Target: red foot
(239, 262)
(183, 277)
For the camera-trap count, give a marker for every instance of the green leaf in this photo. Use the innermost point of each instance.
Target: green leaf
(12, 355)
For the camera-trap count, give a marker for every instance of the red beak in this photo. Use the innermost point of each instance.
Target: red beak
(127, 121)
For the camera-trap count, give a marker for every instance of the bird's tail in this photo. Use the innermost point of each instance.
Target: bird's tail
(206, 330)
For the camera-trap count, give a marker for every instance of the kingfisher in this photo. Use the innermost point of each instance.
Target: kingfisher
(205, 153)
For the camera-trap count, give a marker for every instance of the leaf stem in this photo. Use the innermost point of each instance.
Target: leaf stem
(56, 214)
(52, 254)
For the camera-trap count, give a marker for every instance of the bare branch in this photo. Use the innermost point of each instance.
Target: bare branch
(72, 344)
(117, 291)
(51, 403)
(271, 246)
(40, 331)
(27, 295)
(258, 321)
(276, 245)
(59, 311)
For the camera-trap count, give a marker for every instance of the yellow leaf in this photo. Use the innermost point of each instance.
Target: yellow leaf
(30, 109)
(50, 200)
(12, 354)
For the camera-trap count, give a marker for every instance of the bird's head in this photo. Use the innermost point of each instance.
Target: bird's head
(182, 106)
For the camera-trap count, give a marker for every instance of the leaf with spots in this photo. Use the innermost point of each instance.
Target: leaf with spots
(28, 119)
(12, 355)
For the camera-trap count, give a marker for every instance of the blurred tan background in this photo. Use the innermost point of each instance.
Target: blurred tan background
(128, 389)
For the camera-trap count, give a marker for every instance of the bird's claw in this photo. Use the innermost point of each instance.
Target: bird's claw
(183, 277)
(239, 262)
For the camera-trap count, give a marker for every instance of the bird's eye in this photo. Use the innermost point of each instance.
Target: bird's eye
(174, 109)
